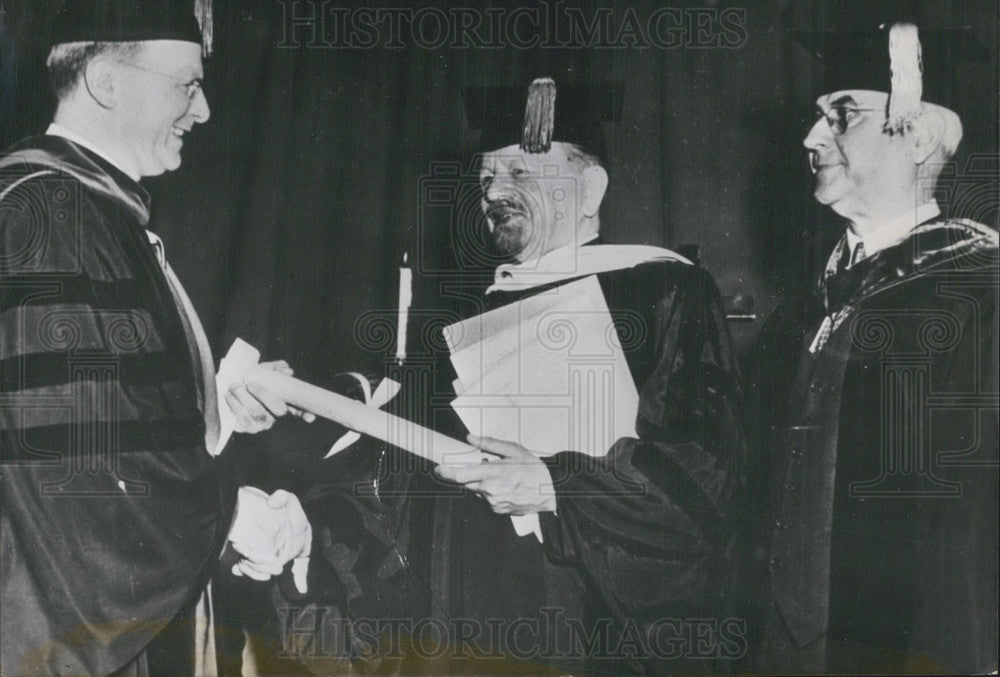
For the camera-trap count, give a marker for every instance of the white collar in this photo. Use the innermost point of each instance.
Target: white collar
(574, 261)
(555, 261)
(56, 129)
(894, 230)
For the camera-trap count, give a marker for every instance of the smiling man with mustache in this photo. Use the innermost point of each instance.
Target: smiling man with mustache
(529, 216)
(883, 546)
(635, 541)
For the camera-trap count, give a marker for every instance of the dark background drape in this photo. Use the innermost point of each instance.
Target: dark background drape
(319, 165)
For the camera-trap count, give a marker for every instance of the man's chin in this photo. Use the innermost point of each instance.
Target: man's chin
(171, 166)
(508, 241)
(821, 197)
(169, 160)
(826, 193)
(507, 249)
(158, 168)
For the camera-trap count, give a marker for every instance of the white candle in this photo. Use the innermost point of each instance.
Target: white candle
(405, 297)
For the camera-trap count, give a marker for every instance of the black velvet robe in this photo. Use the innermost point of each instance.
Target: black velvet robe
(111, 509)
(884, 533)
(639, 550)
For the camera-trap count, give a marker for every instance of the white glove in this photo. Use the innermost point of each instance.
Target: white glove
(268, 532)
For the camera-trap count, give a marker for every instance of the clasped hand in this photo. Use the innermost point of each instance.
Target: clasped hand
(514, 481)
(268, 532)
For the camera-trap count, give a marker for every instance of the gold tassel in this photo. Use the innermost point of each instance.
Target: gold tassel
(906, 65)
(539, 116)
(203, 12)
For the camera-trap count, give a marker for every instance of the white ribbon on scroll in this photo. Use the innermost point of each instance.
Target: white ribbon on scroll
(386, 390)
(240, 364)
(547, 372)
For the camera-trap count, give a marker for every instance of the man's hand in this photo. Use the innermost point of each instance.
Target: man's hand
(255, 407)
(516, 483)
(268, 532)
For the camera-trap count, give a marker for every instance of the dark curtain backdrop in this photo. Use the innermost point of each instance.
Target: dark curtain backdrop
(296, 200)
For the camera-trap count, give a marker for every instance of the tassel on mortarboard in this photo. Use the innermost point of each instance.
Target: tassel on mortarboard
(539, 116)
(203, 12)
(906, 65)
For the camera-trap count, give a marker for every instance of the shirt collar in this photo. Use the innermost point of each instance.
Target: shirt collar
(56, 129)
(575, 261)
(894, 230)
(557, 262)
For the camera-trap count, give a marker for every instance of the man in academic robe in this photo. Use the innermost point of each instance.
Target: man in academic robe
(883, 549)
(629, 568)
(113, 509)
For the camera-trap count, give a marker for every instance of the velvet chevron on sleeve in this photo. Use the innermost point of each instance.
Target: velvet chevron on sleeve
(111, 507)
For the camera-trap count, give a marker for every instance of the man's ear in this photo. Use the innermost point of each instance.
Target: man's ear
(595, 183)
(101, 77)
(925, 134)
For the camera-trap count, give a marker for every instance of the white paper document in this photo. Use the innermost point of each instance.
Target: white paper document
(547, 372)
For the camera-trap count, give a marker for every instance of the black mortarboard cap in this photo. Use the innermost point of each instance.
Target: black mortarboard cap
(900, 57)
(134, 21)
(545, 112)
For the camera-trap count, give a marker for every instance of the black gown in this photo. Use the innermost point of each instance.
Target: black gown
(883, 554)
(112, 512)
(640, 548)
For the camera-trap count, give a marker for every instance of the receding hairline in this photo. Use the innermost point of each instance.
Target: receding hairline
(99, 47)
(576, 154)
(66, 61)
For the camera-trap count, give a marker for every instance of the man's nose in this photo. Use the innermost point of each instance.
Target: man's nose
(818, 135)
(199, 107)
(493, 189)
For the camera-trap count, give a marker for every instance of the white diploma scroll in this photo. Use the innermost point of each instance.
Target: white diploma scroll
(240, 364)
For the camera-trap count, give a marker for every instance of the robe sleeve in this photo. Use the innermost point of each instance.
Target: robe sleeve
(955, 624)
(648, 524)
(112, 511)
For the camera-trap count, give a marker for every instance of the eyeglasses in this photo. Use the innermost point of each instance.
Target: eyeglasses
(191, 87)
(841, 117)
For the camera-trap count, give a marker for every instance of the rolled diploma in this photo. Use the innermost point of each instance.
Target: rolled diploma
(355, 415)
